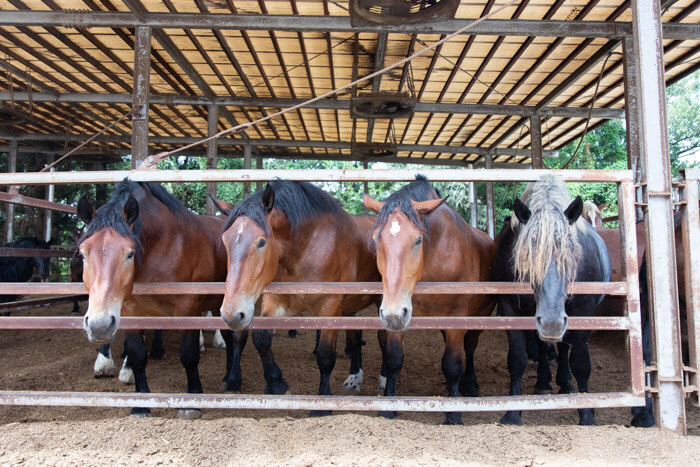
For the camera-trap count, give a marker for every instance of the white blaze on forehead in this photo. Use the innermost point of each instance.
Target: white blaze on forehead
(240, 230)
(395, 228)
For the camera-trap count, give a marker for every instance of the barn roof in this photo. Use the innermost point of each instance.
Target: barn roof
(68, 73)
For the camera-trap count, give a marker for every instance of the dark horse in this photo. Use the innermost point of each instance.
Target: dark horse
(418, 238)
(289, 232)
(20, 269)
(143, 234)
(549, 245)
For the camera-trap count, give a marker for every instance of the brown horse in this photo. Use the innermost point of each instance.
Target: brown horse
(418, 238)
(143, 234)
(289, 232)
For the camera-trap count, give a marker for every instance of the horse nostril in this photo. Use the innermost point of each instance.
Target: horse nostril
(241, 316)
(539, 320)
(113, 323)
(405, 312)
(86, 321)
(566, 319)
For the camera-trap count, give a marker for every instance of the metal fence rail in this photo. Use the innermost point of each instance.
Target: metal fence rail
(630, 322)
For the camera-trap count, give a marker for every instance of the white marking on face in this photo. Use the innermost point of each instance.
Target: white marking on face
(395, 228)
(240, 230)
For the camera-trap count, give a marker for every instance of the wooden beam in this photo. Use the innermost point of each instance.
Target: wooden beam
(139, 108)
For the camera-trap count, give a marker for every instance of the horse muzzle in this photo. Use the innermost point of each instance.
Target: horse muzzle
(397, 319)
(101, 328)
(551, 329)
(237, 318)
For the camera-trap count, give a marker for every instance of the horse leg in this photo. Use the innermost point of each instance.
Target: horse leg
(468, 385)
(392, 356)
(135, 348)
(157, 349)
(235, 343)
(104, 364)
(353, 383)
(517, 364)
(563, 369)
(318, 337)
(544, 373)
(274, 383)
(643, 417)
(580, 361)
(189, 357)
(325, 357)
(126, 373)
(452, 369)
(532, 346)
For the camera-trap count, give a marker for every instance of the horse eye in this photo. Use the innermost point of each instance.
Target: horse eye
(419, 240)
(261, 243)
(130, 255)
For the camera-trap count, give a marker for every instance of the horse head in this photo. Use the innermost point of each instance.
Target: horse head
(108, 250)
(251, 247)
(399, 236)
(546, 254)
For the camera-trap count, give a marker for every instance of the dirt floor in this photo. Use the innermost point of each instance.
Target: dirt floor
(63, 360)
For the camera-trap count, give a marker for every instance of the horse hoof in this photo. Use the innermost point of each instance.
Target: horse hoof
(277, 388)
(353, 384)
(157, 355)
(126, 375)
(387, 414)
(140, 412)
(189, 414)
(232, 391)
(104, 367)
(586, 417)
(512, 418)
(644, 421)
(588, 422)
(319, 413)
(287, 392)
(453, 419)
(541, 392)
(225, 389)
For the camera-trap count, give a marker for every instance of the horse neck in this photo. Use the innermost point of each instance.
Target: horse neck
(296, 245)
(157, 220)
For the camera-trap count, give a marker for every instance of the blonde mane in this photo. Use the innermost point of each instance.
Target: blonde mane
(591, 212)
(547, 236)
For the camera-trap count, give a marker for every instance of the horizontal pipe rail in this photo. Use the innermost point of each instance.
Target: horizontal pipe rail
(311, 288)
(344, 322)
(331, 175)
(309, 402)
(36, 202)
(34, 253)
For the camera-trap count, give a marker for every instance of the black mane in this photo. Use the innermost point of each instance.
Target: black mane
(110, 214)
(420, 190)
(298, 201)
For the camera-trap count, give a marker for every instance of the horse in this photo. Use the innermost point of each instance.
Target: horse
(294, 231)
(548, 245)
(21, 268)
(419, 238)
(593, 213)
(144, 234)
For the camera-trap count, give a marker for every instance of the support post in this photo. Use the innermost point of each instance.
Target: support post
(49, 197)
(472, 202)
(656, 183)
(212, 126)
(139, 109)
(365, 185)
(536, 141)
(490, 208)
(632, 124)
(247, 154)
(259, 166)
(10, 212)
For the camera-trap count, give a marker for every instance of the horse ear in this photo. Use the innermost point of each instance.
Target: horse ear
(522, 212)
(86, 211)
(424, 207)
(268, 199)
(223, 206)
(372, 204)
(602, 206)
(573, 212)
(130, 210)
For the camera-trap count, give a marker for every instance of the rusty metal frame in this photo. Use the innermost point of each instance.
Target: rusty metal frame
(630, 322)
(690, 225)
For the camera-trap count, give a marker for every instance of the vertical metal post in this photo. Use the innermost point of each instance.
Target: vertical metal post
(630, 271)
(661, 254)
(259, 166)
(212, 127)
(365, 185)
(536, 141)
(490, 208)
(49, 197)
(139, 109)
(632, 124)
(472, 202)
(691, 275)
(10, 212)
(247, 152)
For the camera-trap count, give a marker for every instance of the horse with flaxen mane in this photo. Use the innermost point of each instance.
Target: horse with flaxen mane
(418, 238)
(143, 234)
(548, 245)
(291, 232)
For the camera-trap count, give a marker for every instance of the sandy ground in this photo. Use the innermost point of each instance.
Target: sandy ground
(62, 360)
